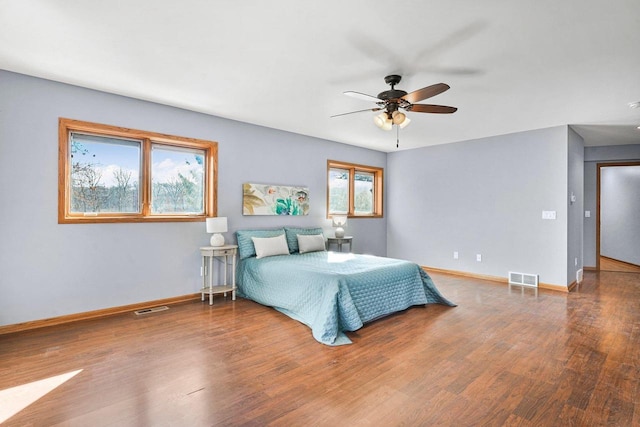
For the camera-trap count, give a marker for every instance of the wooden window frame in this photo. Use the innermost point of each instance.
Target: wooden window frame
(66, 126)
(378, 190)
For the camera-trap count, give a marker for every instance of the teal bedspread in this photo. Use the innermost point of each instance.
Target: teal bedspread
(335, 292)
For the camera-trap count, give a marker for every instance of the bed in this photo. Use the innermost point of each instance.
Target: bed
(331, 292)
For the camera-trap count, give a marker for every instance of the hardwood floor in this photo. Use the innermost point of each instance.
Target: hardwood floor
(502, 357)
(610, 264)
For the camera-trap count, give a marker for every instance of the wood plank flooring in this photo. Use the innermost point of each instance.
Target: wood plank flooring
(610, 264)
(502, 357)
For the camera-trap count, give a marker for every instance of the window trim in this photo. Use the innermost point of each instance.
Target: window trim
(66, 126)
(378, 193)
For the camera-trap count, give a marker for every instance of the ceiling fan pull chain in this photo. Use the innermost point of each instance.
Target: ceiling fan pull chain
(397, 136)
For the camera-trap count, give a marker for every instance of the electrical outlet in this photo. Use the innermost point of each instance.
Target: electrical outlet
(479, 257)
(455, 255)
(576, 262)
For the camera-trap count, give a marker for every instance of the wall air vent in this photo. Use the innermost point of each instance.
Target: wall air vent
(151, 310)
(579, 276)
(523, 279)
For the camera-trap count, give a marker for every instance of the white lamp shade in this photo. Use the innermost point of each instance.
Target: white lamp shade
(339, 220)
(217, 225)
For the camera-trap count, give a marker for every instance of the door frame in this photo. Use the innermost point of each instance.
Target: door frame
(599, 166)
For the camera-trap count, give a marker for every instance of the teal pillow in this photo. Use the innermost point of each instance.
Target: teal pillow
(292, 236)
(246, 248)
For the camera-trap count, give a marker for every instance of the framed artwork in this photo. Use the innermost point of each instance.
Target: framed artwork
(265, 199)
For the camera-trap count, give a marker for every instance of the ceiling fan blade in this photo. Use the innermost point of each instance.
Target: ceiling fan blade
(430, 108)
(362, 96)
(426, 92)
(353, 112)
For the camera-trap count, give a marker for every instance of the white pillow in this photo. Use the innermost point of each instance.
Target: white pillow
(270, 246)
(311, 243)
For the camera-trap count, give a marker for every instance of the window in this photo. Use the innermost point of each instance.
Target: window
(354, 190)
(112, 174)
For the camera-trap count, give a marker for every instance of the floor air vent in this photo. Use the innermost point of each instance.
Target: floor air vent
(523, 279)
(151, 310)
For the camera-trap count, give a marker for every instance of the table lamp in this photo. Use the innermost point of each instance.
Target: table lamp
(339, 221)
(216, 226)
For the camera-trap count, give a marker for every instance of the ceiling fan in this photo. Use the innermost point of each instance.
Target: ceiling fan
(392, 101)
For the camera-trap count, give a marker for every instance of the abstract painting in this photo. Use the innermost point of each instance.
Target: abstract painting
(265, 199)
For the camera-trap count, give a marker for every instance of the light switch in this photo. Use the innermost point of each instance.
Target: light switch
(548, 214)
(587, 214)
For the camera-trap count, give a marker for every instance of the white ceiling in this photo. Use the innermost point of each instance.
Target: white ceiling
(512, 65)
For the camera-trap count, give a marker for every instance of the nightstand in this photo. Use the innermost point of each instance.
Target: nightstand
(338, 241)
(222, 255)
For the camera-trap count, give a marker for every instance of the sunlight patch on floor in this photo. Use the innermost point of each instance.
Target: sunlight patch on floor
(15, 399)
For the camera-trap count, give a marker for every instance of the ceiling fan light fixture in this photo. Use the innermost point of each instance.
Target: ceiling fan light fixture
(383, 121)
(404, 124)
(398, 117)
(391, 101)
(380, 120)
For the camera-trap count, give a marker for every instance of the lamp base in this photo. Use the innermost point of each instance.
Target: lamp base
(339, 232)
(217, 240)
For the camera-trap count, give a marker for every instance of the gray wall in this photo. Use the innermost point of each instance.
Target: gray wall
(49, 270)
(575, 206)
(483, 197)
(620, 213)
(593, 156)
(474, 197)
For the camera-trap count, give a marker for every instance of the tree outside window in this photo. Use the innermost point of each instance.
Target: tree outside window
(105, 174)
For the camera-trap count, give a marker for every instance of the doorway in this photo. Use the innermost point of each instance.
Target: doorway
(618, 204)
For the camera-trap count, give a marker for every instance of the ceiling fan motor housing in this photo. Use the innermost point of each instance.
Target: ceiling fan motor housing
(392, 96)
